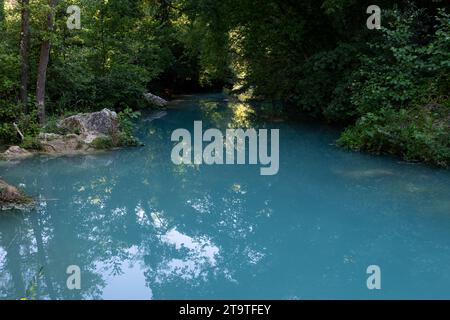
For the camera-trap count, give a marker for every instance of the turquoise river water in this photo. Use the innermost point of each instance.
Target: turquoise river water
(140, 227)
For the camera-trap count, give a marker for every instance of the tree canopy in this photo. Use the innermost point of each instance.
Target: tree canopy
(308, 58)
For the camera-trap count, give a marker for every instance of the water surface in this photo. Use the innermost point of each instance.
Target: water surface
(140, 227)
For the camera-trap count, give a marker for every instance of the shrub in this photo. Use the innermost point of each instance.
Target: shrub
(401, 93)
(419, 134)
(120, 138)
(404, 66)
(324, 88)
(52, 127)
(124, 82)
(126, 120)
(103, 143)
(31, 143)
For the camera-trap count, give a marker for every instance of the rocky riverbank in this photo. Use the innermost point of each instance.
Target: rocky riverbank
(12, 198)
(78, 134)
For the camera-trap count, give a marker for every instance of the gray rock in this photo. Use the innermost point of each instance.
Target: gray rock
(49, 136)
(155, 100)
(102, 122)
(66, 145)
(83, 130)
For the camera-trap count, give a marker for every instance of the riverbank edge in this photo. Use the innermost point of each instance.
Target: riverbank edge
(87, 133)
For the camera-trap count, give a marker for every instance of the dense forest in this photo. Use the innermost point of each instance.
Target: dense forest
(310, 59)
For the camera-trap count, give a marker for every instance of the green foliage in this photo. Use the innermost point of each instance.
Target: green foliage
(126, 121)
(28, 124)
(125, 48)
(31, 143)
(399, 65)
(103, 143)
(309, 57)
(8, 134)
(123, 137)
(52, 127)
(11, 113)
(124, 84)
(418, 134)
(324, 88)
(401, 92)
(9, 67)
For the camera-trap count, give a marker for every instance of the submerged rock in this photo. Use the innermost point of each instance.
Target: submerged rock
(155, 100)
(365, 173)
(15, 152)
(155, 116)
(11, 198)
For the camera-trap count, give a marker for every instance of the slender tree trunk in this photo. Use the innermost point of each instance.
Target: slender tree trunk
(24, 53)
(43, 64)
(41, 81)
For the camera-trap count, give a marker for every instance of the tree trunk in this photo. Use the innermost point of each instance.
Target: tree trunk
(43, 64)
(24, 53)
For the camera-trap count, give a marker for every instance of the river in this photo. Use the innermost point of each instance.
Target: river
(140, 227)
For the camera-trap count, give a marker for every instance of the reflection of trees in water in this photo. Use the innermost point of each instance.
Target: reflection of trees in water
(172, 215)
(49, 241)
(189, 227)
(10, 282)
(104, 222)
(223, 115)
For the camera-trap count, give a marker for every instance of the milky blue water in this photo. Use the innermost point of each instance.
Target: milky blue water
(140, 227)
